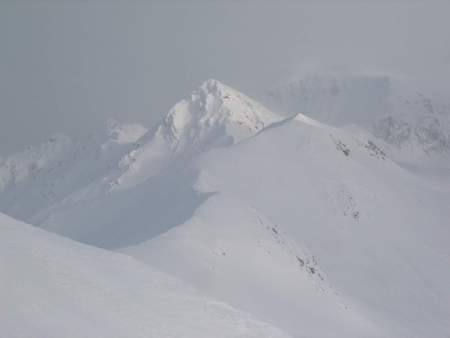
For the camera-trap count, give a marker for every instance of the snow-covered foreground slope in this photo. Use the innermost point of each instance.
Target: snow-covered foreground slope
(54, 287)
(306, 226)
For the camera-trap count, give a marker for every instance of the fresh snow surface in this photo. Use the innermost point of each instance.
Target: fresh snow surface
(316, 229)
(55, 287)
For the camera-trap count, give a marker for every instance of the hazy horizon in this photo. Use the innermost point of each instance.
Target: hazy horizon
(68, 66)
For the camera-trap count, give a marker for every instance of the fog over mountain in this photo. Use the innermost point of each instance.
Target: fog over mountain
(67, 66)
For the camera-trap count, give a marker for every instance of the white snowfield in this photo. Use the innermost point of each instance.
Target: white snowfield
(54, 287)
(312, 228)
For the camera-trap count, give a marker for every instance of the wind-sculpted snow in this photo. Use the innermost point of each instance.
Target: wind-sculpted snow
(54, 287)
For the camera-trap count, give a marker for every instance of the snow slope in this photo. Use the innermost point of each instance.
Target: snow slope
(312, 228)
(54, 287)
(318, 232)
(233, 252)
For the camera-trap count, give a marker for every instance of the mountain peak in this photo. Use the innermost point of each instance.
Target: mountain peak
(214, 106)
(213, 85)
(213, 115)
(216, 88)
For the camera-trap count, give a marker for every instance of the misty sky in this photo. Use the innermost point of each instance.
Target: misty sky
(66, 66)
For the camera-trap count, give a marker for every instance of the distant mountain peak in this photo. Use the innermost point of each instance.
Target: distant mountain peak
(212, 107)
(213, 85)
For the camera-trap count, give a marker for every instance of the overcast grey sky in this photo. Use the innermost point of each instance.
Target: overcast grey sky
(66, 66)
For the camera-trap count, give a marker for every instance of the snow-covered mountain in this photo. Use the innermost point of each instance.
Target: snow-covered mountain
(317, 225)
(214, 115)
(40, 176)
(413, 126)
(313, 228)
(122, 156)
(54, 287)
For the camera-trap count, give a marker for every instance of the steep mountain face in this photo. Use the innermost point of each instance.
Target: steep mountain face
(414, 127)
(55, 287)
(313, 228)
